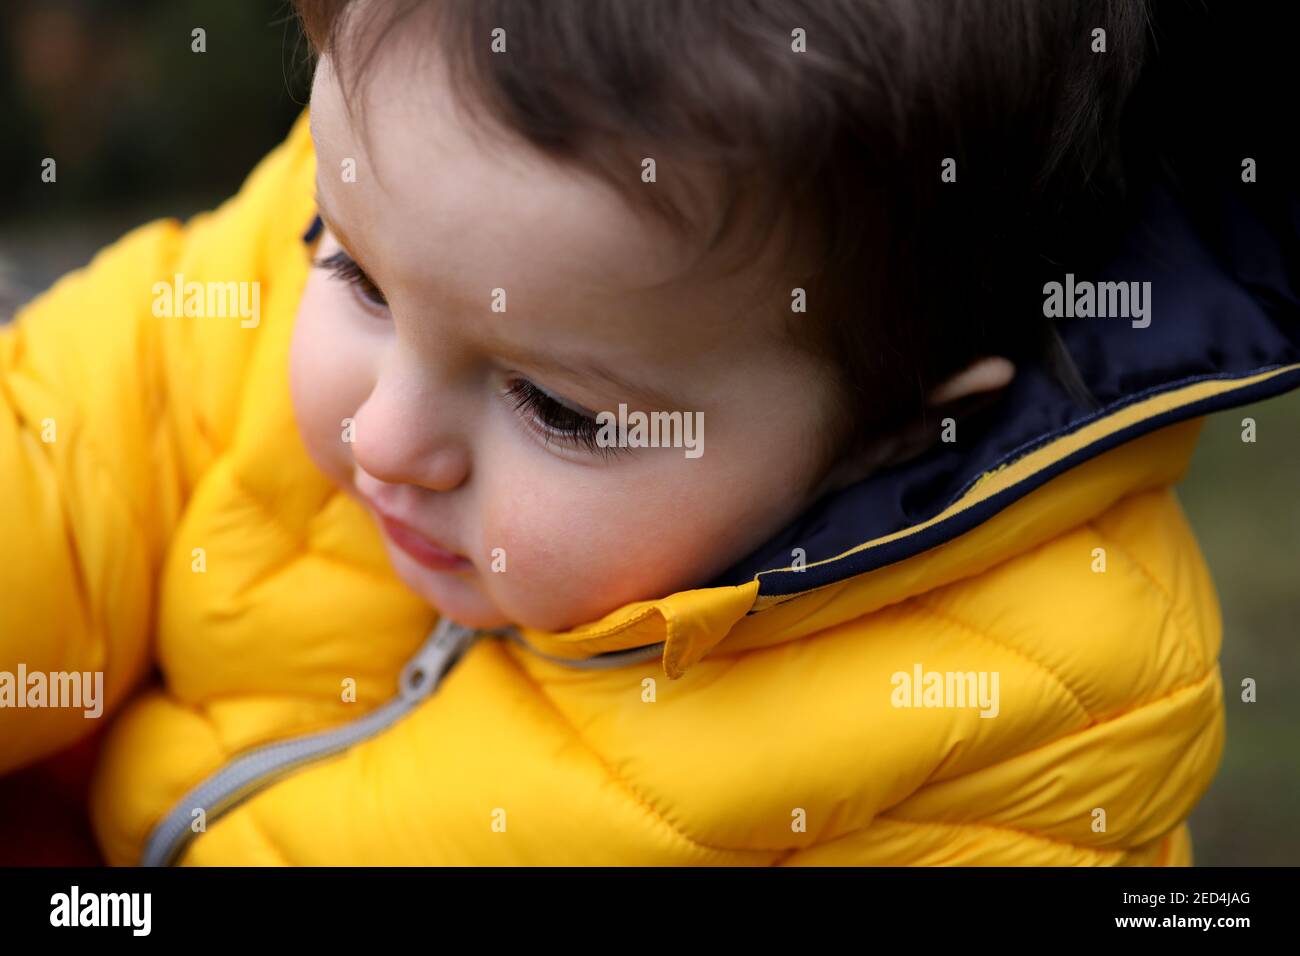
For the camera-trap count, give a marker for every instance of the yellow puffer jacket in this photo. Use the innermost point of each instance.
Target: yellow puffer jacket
(158, 508)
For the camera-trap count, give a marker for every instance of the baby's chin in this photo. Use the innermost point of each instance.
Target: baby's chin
(454, 594)
(461, 597)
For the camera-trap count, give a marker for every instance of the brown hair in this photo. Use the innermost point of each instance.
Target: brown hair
(915, 277)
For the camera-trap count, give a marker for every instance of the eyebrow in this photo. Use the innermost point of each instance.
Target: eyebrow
(332, 224)
(585, 368)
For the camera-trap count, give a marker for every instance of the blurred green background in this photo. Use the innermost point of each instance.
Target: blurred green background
(1244, 502)
(142, 127)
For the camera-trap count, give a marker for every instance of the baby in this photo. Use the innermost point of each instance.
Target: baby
(414, 551)
(503, 261)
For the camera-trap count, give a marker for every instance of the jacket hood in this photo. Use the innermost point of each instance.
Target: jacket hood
(1222, 329)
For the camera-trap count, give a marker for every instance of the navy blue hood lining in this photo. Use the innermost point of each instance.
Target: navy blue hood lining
(1220, 310)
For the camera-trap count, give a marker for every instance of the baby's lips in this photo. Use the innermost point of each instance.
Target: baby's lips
(421, 549)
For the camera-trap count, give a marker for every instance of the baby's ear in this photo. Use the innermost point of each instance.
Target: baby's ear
(983, 376)
(969, 390)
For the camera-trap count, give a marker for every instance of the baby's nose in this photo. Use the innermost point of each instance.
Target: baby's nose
(396, 440)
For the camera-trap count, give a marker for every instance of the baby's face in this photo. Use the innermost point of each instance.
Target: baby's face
(470, 438)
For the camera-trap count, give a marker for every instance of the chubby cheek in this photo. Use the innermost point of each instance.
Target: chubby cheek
(329, 377)
(576, 550)
(560, 565)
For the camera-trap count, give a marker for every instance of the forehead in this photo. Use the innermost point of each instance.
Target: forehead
(435, 173)
(446, 208)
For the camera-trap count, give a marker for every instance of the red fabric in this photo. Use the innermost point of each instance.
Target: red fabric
(44, 815)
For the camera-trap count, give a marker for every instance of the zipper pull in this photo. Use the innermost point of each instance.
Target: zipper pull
(440, 651)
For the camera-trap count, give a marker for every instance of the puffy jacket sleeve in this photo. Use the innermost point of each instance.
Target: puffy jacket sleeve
(109, 415)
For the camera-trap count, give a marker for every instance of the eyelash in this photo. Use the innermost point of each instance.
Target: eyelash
(556, 420)
(552, 418)
(343, 266)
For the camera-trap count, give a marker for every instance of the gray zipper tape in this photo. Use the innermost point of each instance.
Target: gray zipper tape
(251, 772)
(255, 770)
(599, 662)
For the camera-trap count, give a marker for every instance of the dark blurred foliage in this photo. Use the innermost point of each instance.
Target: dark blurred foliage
(112, 90)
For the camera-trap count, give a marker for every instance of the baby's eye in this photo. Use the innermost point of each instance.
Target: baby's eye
(556, 419)
(343, 266)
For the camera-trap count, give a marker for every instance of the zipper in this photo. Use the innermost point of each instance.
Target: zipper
(257, 769)
(253, 771)
(605, 660)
